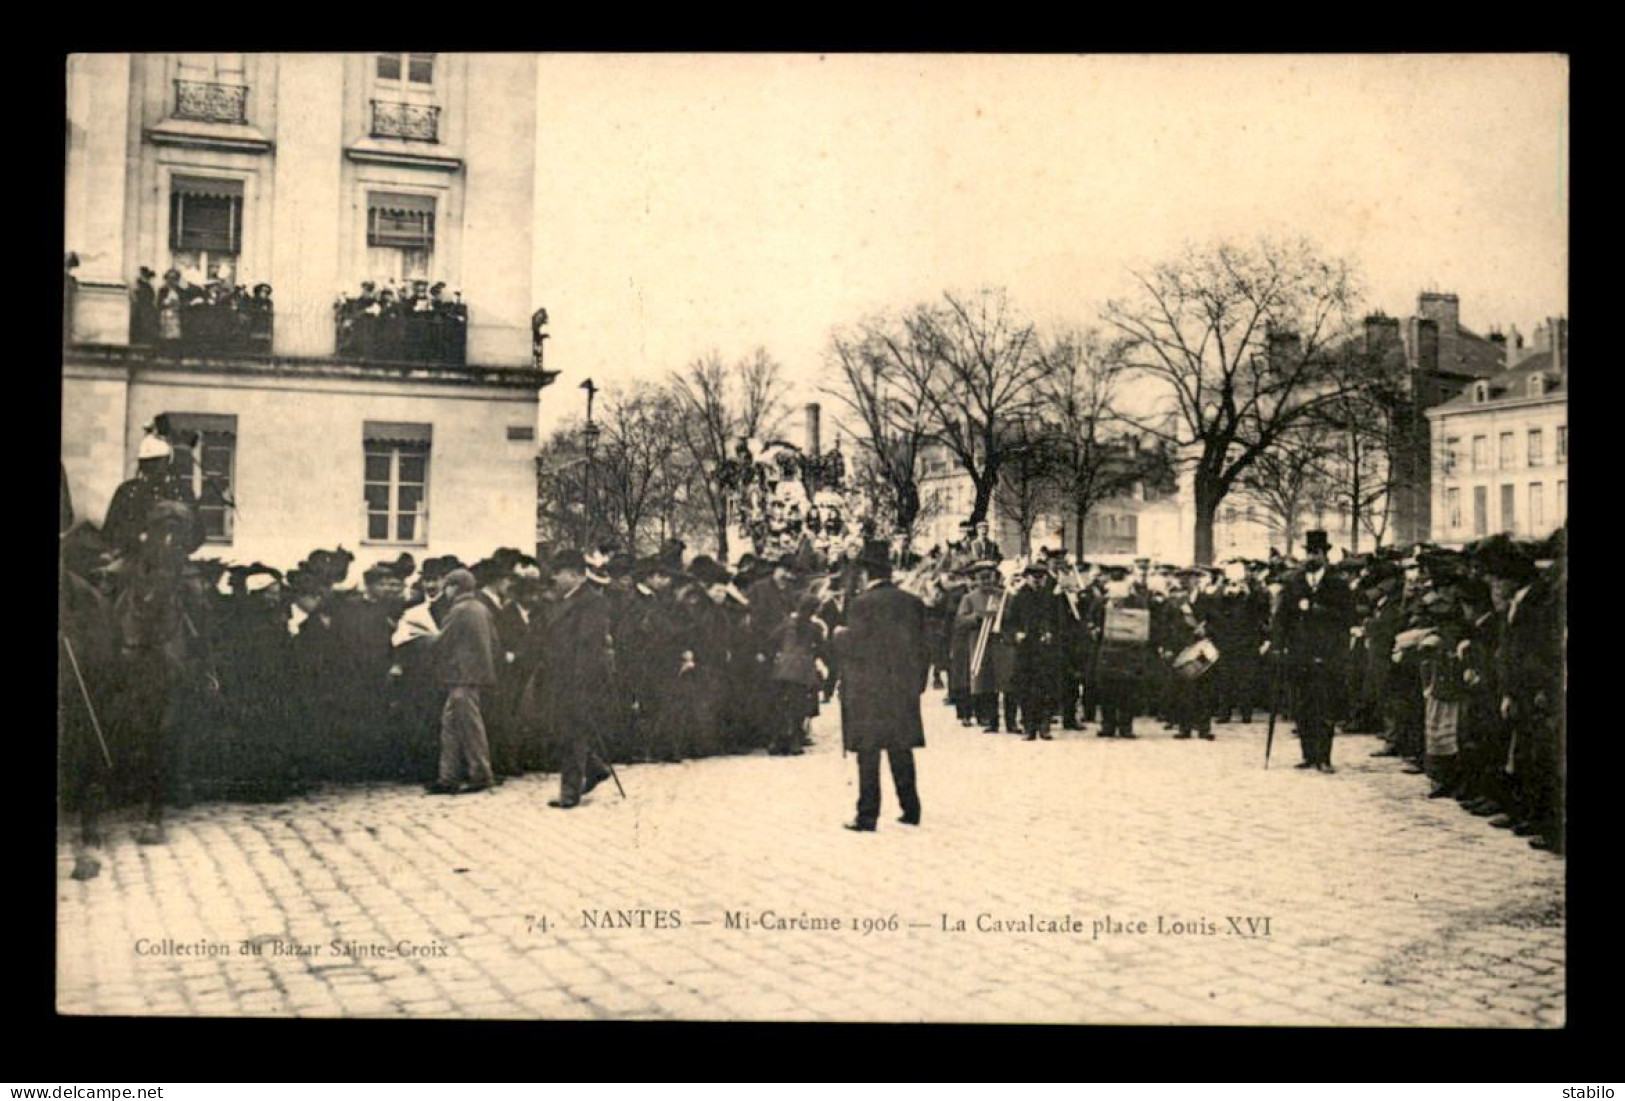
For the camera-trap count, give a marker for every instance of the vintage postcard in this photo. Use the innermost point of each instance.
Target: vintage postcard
(848, 537)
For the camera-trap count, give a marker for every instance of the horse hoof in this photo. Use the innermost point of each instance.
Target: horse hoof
(150, 834)
(85, 867)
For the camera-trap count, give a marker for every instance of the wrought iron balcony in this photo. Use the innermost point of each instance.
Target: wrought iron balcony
(205, 101)
(407, 121)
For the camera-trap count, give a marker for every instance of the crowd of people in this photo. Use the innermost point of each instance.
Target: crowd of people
(414, 321)
(238, 680)
(1456, 657)
(202, 313)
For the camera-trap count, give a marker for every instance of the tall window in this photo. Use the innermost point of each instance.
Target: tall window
(1481, 453)
(1562, 498)
(1537, 507)
(1509, 509)
(205, 225)
(1452, 497)
(211, 466)
(1537, 447)
(1562, 443)
(1452, 446)
(404, 72)
(400, 236)
(1508, 460)
(1481, 510)
(397, 481)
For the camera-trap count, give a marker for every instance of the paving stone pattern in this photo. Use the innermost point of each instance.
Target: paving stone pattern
(1382, 907)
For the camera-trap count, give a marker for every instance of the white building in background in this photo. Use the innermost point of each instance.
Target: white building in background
(1502, 448)
(310, 173)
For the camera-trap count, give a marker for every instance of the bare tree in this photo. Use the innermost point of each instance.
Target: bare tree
(968, 365)
(1287, 481)
(895, 430)
(640, 454)
(563, 516)
(1078, 392)
(1239, 337)
(716, 407)
(1365, 420)
(1028, 485)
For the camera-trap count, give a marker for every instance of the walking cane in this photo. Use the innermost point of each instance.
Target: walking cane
(1275, 701)
(603, 749)
(84, 694)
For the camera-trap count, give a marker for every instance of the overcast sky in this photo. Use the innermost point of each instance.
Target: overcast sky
(686, 203)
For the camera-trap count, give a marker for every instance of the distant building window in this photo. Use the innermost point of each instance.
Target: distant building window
(397, 481)
(1230, 517)
(1481, 510)
(1537, 447)
(1537, 507)
(1509, 510)
(1562, 498)
(1508, 460)
(1131, 527)
(1481, 453)
(205, 225)
(207, 447)
(1481, 391)
(1452, 497)
(400, 236)
(1448, 459)
(1537, 385)
(1562, 443)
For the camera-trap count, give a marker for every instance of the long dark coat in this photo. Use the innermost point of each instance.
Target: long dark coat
(885, 662)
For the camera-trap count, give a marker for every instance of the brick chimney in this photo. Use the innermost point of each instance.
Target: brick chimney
(1381, 333)
(813, 440)
(1427, 344)
(1558, 336)
(1442, 309)
(1514, 346)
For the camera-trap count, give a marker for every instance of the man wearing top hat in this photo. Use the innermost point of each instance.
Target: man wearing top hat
(1309, 637)
(886, 663)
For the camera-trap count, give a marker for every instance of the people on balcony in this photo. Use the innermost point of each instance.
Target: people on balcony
(191, 312)
(415, 323)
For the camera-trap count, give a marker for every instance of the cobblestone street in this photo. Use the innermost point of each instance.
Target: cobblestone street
(1355, 900)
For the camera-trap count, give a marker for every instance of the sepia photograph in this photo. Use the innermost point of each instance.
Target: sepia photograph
(848, 537)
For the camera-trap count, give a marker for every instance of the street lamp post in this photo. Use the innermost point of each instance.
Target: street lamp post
(589, 444)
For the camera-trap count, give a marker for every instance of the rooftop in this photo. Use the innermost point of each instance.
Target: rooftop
(1512, 386)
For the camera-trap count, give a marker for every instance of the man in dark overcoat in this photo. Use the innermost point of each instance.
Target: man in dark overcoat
(580, 661)
(886, 664)
(1310, 638)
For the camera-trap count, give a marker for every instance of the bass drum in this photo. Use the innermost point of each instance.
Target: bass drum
(1197, 659)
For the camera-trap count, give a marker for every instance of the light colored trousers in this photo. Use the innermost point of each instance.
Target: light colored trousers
(464, 748)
